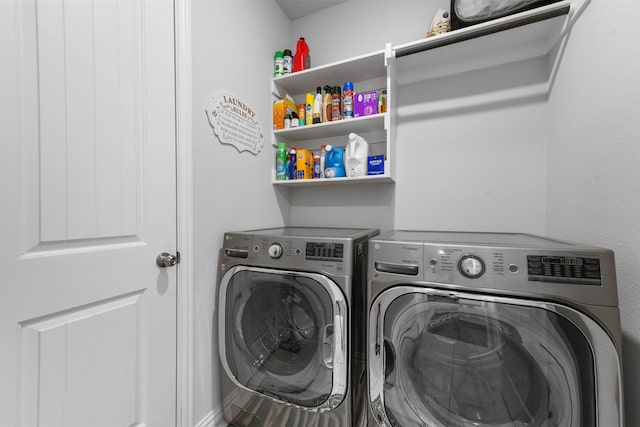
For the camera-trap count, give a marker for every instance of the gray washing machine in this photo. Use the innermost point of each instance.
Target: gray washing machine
(492, 330)
(292, 327)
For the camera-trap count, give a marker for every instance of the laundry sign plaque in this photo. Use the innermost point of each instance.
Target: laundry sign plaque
(234, 122)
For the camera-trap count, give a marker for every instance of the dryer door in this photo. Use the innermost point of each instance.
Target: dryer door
(283, 335)
(442, 358)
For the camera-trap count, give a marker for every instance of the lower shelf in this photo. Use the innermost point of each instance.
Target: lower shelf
(334, 181)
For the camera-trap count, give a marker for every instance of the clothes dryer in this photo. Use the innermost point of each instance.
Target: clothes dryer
(492, 330)
(291, 327)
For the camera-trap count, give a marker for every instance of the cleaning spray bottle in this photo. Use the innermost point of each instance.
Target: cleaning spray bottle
(326, 104)
(356, 156)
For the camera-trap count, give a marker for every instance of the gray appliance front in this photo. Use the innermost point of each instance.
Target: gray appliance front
(443, 358)
(283, 336)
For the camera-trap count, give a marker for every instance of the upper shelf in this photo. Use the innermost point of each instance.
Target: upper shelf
(364, 67)
(520, 36)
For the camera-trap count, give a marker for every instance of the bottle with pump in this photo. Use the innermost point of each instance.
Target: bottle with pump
(302, 57)
(326, 104)
(317, 106)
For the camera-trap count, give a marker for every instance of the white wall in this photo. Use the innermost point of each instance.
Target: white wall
(233, 45)
(472, 168)
(362, 26)
(594, 156)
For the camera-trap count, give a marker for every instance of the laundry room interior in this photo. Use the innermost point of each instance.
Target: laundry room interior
(481, 150)
(526, 128)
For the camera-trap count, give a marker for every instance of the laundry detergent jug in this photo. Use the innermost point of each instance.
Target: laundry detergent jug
(356, 156)
(334, 162)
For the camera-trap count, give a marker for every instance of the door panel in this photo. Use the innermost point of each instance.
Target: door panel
(74, 359)
(90, 116)
(88, 186)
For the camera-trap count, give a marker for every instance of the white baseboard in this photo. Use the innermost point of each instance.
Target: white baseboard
(212, 419)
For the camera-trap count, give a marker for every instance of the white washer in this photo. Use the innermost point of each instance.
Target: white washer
(492, 330)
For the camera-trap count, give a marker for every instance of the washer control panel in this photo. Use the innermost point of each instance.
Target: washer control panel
(494, 262)
(318, 254)
(471, 266)
(275, 250)
(323, 251)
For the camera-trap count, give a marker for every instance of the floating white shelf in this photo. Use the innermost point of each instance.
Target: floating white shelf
(335, 181)
(526, 35)
(359, 68)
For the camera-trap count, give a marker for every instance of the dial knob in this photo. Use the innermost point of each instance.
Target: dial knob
(275, 251)
(471, 266)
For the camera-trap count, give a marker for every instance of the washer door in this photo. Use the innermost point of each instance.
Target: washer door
(283, 335)
(442, 358)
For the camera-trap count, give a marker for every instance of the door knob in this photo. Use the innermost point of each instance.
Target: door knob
(167, 260)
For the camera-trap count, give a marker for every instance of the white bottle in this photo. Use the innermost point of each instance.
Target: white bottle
(356, 156)
(317, 106)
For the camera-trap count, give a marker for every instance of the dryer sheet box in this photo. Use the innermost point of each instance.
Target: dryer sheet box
(375, 165)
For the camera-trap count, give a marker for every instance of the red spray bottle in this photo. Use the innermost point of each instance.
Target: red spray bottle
(302, 58)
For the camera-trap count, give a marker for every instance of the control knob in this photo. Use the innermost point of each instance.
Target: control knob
(275, 250)
(471, 266)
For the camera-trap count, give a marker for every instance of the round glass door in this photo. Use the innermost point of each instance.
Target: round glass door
(281, 332)
(454, 361)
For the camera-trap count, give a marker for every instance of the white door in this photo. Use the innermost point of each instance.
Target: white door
(88, 200)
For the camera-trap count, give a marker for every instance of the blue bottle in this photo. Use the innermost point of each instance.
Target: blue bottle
(334, 162)
(292, 163)
(347, 100)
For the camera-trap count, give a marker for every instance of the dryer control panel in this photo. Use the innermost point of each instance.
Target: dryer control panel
(564, 269)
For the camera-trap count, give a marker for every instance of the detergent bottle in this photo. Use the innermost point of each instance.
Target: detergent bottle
(356, 156)
(334, 162)
(302, 57)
